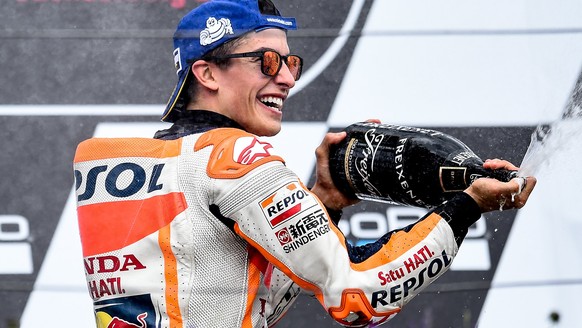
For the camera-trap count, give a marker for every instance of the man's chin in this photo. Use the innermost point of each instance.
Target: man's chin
(269, 131)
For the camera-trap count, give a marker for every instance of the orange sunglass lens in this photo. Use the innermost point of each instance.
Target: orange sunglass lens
(271, 63)
(294, 63)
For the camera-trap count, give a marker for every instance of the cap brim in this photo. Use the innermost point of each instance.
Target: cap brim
(171, 111)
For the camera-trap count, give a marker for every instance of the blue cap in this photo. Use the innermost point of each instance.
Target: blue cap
(206, 28)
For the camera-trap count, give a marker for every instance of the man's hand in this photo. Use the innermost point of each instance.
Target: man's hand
(324, 187)
(491, 194)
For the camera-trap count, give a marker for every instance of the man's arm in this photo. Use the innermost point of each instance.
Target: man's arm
(290, 227)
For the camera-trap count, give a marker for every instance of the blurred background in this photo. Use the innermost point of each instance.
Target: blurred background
(487, 72)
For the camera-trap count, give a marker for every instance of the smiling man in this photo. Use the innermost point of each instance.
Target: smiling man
(205, 226)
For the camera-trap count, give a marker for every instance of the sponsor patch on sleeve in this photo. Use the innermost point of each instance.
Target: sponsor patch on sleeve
(284, 203)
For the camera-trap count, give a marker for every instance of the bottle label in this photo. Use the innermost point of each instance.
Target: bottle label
(348, 160)
(363, 163)
(461, 157)
(453, 178)
(374, 165)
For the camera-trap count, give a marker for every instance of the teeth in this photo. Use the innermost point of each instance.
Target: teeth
(274, 102)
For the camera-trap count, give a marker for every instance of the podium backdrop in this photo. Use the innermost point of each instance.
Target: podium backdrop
(486, 72)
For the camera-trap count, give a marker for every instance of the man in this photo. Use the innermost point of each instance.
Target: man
(204, 226)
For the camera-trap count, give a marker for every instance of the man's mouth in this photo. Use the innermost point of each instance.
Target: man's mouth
(273, 102)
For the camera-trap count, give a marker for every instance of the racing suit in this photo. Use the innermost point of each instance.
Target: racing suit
(205, 226)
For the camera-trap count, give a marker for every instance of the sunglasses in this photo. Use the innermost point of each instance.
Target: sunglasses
(271, 62)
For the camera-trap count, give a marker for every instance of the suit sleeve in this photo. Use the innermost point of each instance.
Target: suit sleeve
(277, 215)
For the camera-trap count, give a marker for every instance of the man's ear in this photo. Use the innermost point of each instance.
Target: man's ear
(203, 71)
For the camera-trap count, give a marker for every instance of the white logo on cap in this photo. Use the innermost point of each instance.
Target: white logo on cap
(215, 30)
(280, 21)
(177, 62)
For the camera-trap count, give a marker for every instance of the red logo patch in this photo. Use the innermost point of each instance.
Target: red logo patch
(283, 236)
(252, 152)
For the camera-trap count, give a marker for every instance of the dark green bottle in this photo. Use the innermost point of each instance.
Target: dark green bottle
(405, 165)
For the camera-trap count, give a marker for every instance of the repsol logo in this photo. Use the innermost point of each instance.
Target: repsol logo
(123, 180)
(286, 202)
(283, 204)
(416, 283)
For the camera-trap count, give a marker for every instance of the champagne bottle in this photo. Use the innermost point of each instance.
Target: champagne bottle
(405, 165)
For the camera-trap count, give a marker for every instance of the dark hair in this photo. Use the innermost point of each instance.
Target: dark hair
(267, 7)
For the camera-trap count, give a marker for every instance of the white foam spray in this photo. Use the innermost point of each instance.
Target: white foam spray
(556, 137)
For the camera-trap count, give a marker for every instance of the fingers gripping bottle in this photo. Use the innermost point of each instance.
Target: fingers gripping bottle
(405, 165)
